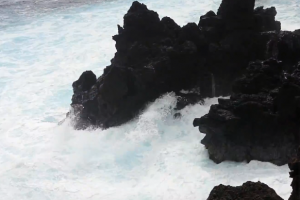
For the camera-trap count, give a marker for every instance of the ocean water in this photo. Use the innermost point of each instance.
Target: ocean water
(44, 47)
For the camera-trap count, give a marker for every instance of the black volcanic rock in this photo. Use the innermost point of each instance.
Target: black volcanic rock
(236, 8)
(83, 85)
(285, 46)
(248, 190)
(237, 34)
(260, 121)
(265, 19)
(295, 174)
(155, 56)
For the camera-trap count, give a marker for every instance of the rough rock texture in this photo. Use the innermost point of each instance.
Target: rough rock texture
(157, 56)
(153, 57)
(261, 120)
(248, 190)
(295, 174)
(237, 34)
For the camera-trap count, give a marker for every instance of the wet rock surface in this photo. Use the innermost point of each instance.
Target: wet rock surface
(295, 175)
(155, 56)
(258, 190)
(260, 121)
(248, 190)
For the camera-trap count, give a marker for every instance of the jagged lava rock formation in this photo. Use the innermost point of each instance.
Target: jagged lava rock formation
(260, 121)
(248, 190)
(237, 34)
(155, 56)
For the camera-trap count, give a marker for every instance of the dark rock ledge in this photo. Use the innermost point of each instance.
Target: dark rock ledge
(260, 121)
(155, 56)
(259, 191)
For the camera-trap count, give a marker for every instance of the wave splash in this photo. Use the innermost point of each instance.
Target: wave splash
(153, 157)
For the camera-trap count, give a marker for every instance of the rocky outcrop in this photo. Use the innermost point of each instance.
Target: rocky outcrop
(155, 56)
(248, 190)
(237, 34)
(295, 175)
(260, 121)
(249, 125)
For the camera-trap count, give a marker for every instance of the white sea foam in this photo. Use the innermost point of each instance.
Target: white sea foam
(151, 158)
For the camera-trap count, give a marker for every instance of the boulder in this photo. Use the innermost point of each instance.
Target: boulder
(248, 190)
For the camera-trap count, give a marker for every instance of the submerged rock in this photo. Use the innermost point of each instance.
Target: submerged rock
(248, 190)
(260, 121)
(155, 56)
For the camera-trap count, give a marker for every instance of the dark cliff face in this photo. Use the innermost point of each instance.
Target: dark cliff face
(155, 56)
(260, 121)
(237, 34)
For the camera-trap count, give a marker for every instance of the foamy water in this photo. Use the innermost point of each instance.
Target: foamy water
(151, 158)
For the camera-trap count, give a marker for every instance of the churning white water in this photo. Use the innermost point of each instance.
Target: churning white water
(44, 47)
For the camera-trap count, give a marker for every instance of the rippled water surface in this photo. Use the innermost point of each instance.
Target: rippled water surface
(44, 47)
